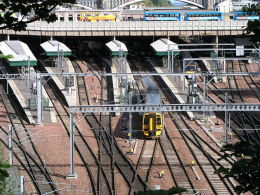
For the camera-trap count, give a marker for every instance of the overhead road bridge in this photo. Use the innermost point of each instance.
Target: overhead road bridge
(133, 28)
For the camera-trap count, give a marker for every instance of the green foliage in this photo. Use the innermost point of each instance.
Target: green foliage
(157, 3)
(41, 9)
(253, 26)
(173, 190)
(6, 57)
(246, 169)
(3, 176)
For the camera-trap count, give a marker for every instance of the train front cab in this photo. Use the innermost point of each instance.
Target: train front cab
(152, 125)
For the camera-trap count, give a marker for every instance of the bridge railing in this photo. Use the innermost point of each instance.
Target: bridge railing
(139, 26)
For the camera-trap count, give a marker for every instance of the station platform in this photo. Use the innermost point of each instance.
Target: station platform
(130, 78)
(28, 101)
(116, 80)
(176, 86)
(70, 93)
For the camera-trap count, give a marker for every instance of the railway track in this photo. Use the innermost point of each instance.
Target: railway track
(205, 161)
(81, 146)
(173, 161)
(217, 95)
(108, 146)
(105, 172)
(25, 150)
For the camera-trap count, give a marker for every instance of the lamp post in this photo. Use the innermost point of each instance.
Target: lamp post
(28, 73)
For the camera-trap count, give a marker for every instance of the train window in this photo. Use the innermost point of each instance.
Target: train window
(146, 120)
(158, 121)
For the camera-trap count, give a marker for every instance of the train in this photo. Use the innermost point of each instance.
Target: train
(152, 122)
(175, 15)
(190, 66)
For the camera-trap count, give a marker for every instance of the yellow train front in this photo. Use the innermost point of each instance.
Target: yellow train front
(152, 124)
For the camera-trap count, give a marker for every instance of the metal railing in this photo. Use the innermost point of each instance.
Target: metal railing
(139, 26)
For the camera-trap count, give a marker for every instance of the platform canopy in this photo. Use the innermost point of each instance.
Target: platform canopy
(21, 53)
(117, 48)
(163, 47)
(55, 48)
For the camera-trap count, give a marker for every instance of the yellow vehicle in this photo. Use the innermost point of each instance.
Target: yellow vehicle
(152, 124)
(191, 69)
(92, 17)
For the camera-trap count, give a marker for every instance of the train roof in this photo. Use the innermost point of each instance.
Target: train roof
(181, 11)
(129, 11)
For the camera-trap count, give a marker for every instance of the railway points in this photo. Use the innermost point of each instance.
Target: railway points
(98, 157)
(25, 89)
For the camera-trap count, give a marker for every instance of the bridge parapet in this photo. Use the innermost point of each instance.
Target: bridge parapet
(133, 28)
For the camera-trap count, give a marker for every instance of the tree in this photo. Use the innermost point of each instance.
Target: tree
(173, 190)
(29, 11)
(253, 26)
(246, 169)
(3, 176)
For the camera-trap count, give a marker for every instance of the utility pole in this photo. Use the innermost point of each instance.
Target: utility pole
(130, 115)
(72, 173)
(39, 98)
(226, 120)
(10, 144)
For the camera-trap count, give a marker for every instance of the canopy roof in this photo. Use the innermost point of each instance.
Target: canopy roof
(21, 53)
(117, 48)
(54, 48)
(164, 46)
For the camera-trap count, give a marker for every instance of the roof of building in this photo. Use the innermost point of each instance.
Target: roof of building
(130, 11)
(117, 47)
(162, 46)
(20, 51)
(53, 48)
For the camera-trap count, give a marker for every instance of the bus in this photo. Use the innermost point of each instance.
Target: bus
(245, 16)
(161, 16)
(92, 17)
(190, 16)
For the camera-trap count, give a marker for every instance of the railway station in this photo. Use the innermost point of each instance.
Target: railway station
(121, 98)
